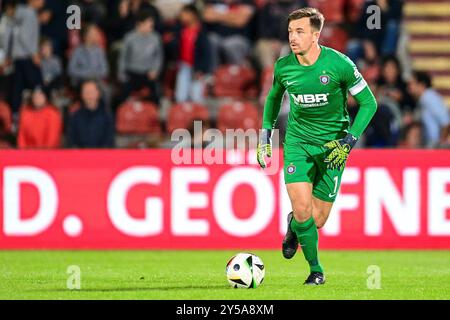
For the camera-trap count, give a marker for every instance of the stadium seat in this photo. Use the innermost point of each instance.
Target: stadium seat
(238, 115)
(371, 73)
(332, 10)
(260, 3)
(235, 81)
(266, 84)
(136, 117)
(169, 81)
(5, 118)
(182, 115)
(355, 9)
(334, 36)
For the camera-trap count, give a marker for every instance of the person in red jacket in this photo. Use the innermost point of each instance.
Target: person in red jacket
(40, 124)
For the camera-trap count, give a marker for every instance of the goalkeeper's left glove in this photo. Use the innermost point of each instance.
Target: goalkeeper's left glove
(340, 149)
(264, 147)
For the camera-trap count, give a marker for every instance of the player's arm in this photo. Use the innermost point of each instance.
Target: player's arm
(367, 108)
(272, 107)
(358, 88)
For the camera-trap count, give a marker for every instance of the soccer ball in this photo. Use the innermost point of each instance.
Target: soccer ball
(245, 270)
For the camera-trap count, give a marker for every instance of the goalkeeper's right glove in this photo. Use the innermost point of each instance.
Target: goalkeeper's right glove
(264, 147)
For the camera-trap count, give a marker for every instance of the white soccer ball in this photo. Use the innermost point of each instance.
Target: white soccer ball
(245, 270)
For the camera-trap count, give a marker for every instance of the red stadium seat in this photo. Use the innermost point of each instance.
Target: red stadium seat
(355, 8)
(5, 118)
(182, 115)
(333, 11)
(260, 3)
(136, 117)
(266, 84)
(238, 115)
(334, 36)
(169, 81)
(371, 73)
(235, 81)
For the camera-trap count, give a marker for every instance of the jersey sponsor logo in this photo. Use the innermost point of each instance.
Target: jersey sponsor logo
(310, 100)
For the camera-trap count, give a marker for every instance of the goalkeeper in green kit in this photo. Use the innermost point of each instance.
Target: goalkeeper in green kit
(319, 137)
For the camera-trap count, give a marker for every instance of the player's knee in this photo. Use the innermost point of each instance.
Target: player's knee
(302, 212)
(320, 223)
(320, 219)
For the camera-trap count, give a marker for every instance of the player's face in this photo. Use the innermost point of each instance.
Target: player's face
(301, 36)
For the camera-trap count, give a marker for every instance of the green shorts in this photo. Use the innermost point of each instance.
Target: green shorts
(305, 163)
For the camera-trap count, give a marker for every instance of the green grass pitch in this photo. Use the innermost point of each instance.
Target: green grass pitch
(201, 275)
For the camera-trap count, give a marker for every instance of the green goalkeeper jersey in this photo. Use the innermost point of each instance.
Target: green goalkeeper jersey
(318, 97)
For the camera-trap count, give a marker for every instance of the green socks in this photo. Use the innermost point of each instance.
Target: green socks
(309, 241)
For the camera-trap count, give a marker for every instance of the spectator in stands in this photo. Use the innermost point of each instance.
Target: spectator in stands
(24, 50)
(229, 23)
(431, 108)
(444, 142)
(412, 136)
(53, 24)
(384, 36)
(369, 63)
(88, 61)
(382, 131)
(40, 124)
(391, 85)
(6, 29)
(51, 67)
(194, 60)
(141, 59)
(272, 30)
(93, 11)
(92, 126)
(170, 9)
(125, 14)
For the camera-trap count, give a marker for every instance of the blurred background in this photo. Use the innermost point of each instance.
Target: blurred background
(138, 69)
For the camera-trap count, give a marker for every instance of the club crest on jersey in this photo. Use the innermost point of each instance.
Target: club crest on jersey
(324, 79)
(290, 169)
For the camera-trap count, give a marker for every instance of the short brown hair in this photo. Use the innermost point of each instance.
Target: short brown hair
(316, 19)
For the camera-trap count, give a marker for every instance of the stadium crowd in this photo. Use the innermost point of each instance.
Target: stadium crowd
(137, 70)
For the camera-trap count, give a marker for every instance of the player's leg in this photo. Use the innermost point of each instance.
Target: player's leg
(300, 194)
(290, 241)
(299, 173)
(303, 223)
(325, 189)
(294, 157)
(321, 211)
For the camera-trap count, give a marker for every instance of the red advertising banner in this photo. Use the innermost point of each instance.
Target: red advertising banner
(119, 199)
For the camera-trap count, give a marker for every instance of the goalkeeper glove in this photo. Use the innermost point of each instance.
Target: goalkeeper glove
(340, 149)
(264, 147)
